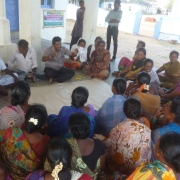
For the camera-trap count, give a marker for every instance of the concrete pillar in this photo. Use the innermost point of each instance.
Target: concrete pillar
(175, 10)
(90, 20)
(6, 47)
(30, 24)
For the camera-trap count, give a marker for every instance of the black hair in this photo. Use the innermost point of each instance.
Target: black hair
(170, 147)
(81, 41)
(141, 50)
(23, 44)
(59, 151)
(117, 2)
(56, 39)
(81, 1)
(174, 52)
(19, 93)
(175, 108)
(132, 108)
(98, 37)
(143, 78)
(101, 41)
(79, 125)
(120, 85)
(79, 96)
(148, 61)
(39, 113)
(143, 44)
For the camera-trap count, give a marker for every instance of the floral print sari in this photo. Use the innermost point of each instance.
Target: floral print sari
(78, 164)
(127, 146)
(16, 154)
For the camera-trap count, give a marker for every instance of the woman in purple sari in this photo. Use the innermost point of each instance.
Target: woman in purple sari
(58, 124)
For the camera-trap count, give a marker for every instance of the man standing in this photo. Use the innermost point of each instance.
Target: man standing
(113, 19)
(26, 61)
(78, 27)
(54, 56)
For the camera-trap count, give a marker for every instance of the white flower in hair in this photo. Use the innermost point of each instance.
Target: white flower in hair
(146, 87)
(34, 121)
(11, 123)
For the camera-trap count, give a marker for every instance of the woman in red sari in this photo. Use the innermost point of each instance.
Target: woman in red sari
(99, 65)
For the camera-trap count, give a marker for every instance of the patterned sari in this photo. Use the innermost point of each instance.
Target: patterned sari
(11, 116)
(100, 66)
(78, 164)
(127, 146)
(153, 171)
(16, 154)
(58, 124)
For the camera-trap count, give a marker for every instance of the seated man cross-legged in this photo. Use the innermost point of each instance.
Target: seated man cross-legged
(26, 61)
(54, 56)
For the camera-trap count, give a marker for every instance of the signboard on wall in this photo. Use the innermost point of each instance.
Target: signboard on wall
(53, 18)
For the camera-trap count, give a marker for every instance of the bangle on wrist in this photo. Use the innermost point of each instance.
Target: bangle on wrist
(154, 120)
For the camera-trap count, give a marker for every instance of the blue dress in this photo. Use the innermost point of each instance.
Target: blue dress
(58, 124)
(171, 127)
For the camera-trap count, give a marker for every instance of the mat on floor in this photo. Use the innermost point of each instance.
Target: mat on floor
(56, 96)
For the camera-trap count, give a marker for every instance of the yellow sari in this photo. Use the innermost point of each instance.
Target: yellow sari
(153, 171)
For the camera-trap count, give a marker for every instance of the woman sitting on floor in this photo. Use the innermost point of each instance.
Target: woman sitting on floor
(135, 67)
(88, 154)
(172, 69)
(77, 62)
(111, 113)
(167, 165)
(99, 65)
(125, 62)
(59, 156)
(22, 150)
(58, 124)
(129, 143)
(14, 114)
(154, 83)
(149, 102)
(170, 121)
(173, 93)
(92, 48)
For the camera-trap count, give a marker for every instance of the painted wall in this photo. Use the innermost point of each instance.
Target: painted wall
(169, 29)
(49, 33)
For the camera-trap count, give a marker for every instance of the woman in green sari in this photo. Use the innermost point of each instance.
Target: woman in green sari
(88, 154)
(135, 66)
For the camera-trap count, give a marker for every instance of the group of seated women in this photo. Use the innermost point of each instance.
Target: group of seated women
(134, 135)
(94, 60)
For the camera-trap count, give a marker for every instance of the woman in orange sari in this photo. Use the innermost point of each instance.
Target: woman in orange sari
(99, 65)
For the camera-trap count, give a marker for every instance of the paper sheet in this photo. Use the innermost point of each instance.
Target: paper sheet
(56, 96)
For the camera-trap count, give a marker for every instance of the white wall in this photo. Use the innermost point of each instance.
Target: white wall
(170, 29)
(127, 21)
(49, 33)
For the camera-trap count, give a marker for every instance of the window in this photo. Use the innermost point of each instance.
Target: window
(46, 3)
